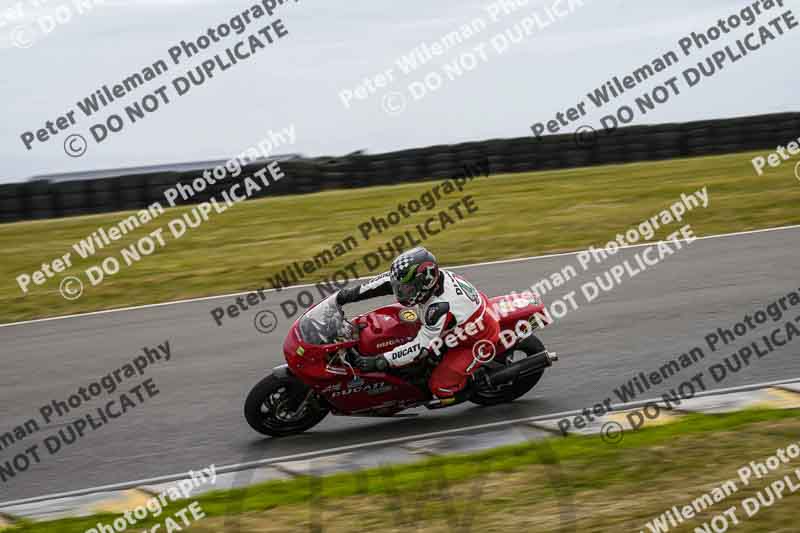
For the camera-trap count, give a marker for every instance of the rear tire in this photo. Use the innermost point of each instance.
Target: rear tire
(531, 345)
(280, 406)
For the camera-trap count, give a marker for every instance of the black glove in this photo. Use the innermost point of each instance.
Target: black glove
(346, 296)
(376, 363)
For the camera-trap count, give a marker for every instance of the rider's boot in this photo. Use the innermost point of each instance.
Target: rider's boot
(478, 379)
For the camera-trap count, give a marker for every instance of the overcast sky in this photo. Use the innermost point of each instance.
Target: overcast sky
(333, 46)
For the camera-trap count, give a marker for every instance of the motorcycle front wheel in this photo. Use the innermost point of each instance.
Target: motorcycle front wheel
(281, 406)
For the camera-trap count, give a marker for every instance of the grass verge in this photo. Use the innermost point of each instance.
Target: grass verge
(518, 215)
(577, 483)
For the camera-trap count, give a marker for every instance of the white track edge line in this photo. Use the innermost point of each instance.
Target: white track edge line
(395, 440)
(470, 265)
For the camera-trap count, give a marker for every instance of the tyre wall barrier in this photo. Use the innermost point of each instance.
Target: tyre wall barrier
(53, 199)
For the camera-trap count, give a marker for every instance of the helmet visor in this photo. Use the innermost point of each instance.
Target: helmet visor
(404, 292)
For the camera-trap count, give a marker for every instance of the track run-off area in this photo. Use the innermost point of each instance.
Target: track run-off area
(195, 418)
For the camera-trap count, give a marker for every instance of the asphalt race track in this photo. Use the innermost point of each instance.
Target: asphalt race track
(197, 418)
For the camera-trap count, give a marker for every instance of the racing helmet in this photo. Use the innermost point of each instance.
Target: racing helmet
(414, 275)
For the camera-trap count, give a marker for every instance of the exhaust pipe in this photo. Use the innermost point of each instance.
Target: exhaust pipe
(529, 365)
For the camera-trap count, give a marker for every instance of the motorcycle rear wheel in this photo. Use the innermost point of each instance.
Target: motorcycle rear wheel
(272, 407)
(531, 345)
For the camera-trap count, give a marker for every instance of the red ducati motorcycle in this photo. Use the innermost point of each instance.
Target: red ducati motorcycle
(319, 378)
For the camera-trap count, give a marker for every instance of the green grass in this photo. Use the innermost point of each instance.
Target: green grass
(518, 215)
(651, 470)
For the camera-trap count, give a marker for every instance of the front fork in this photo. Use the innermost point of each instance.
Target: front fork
(283, 372)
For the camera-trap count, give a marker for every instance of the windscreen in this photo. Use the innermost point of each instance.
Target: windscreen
(324, 324)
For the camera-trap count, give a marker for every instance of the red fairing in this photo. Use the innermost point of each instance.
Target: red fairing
(373, 393)
(511, 308)
(385, 328)
(350, 391)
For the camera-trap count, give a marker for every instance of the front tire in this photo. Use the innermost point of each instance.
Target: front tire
(531, 345)
(280, 406)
